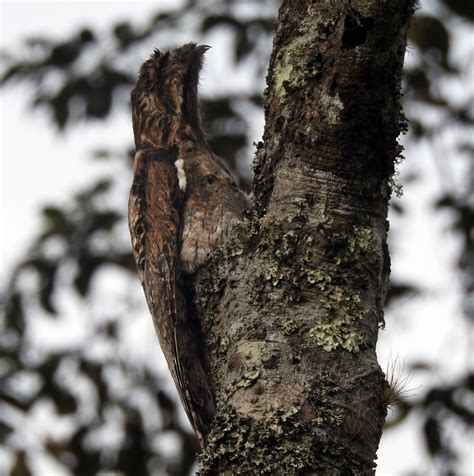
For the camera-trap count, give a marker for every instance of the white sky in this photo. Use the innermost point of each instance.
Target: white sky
(38, 166)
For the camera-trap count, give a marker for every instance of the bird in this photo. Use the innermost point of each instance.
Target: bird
(183, 204)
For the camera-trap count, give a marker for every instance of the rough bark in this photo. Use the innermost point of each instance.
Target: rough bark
(291, 305)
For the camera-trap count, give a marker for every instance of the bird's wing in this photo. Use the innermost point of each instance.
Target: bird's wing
(154, 220)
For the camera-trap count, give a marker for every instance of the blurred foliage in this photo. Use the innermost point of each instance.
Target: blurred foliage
(84, 78)
(73, 230)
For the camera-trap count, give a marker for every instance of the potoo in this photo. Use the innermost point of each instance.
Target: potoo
(182, 205)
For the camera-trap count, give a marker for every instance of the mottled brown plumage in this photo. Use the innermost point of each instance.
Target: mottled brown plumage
(183, 203)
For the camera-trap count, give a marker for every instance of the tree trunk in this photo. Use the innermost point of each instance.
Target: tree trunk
(291, 305)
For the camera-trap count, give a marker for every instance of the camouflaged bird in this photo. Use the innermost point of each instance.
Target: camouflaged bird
(183, 203)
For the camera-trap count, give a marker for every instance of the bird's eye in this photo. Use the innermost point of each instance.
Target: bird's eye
(211, 178)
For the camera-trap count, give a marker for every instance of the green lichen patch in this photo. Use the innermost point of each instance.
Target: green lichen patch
(288, 244)
(279, 280)
(332, 107)
(294, 358)
(283, 77)
(360, 246)
(289, 326)
(250, 352)
(268, 232)
(323, 393)
(217, 348)
(248, 377)
(318, 278)
(340, 326)
(268, 398)
(276, 274)
(273, 445)
(298, 213)
(278, 444)
(221, 261)
(337, 333)
(246, 361)
(295, 64)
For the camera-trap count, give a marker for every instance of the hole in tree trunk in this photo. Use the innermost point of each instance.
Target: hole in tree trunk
(355, 30)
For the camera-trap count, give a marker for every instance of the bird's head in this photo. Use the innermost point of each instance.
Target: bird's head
(167, 87)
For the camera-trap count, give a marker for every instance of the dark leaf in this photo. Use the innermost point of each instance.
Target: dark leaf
(464, 8)
(60, 106)
(469, 382)
(5, 430)
(98, 102)
(160, 18)
(464, 213)
(87, 459)
(421, 366)
(102, 221)
(397, 207)
(168, 410)
(265, 24)
(88, 265)
(84, 199)
(57, 222)
(47, 288)
(110, 330)
(47, 273)
(447, 201)
(124, 260)
(20, 468)
(257, 99)
(94, 372)
(64, 54)
(217, 108)
(417, 129)
(135, 452)
(56, 449)
(86, 36)
(400, 290)
(428, 33)
(48, 368)
(418, 84)
(432, 432)
(243, 45)
(227, 147)
(19, 401)
(126, 35)
(444, 397)
(14, 313)
(64, 401)
(163, 20)
(17, 71)
(213, 21)
(99, 187)
(101, 154)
